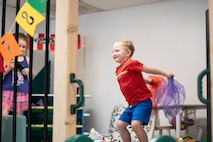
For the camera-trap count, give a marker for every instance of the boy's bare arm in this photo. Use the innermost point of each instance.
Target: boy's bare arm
(151, 70)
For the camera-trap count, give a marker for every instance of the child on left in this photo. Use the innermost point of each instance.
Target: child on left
(22, 81)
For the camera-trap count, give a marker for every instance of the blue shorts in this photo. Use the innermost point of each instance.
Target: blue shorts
(140, 111)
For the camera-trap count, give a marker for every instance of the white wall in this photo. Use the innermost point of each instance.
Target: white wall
(168, 35)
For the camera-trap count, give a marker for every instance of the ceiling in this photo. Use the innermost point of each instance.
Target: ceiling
(91, 6)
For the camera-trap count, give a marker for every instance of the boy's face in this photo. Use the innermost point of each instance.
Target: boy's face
(120, 53)
(22, 44)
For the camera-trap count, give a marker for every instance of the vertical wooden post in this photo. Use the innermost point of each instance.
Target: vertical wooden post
(64, 124)
(211, 57)
(84, 62)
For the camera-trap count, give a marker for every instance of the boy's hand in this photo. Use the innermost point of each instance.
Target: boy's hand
(170, 75)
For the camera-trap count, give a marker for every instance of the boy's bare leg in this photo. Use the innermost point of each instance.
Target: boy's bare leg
(124, 133)
(138, 129)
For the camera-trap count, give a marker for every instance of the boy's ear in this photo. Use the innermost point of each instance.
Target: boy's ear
(129, 52)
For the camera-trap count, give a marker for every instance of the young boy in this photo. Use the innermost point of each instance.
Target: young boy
(134, 89)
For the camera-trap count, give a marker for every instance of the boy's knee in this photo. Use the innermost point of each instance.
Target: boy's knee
(121, 125)
(135, 125)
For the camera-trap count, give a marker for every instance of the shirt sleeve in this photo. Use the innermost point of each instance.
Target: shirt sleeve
(135, 65)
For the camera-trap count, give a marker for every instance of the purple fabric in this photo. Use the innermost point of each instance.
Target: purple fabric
(170, 94)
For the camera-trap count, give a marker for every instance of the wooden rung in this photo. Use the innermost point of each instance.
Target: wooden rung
(40, 126)
(80, 108)
(79, 126)
(41, 95)
(41, 107)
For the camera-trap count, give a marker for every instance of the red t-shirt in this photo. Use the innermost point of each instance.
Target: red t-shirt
(132, 84)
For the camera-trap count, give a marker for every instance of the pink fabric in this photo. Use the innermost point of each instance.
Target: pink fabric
(22, 101)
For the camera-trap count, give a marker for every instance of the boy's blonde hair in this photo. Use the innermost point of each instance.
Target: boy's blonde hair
(128, 44)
